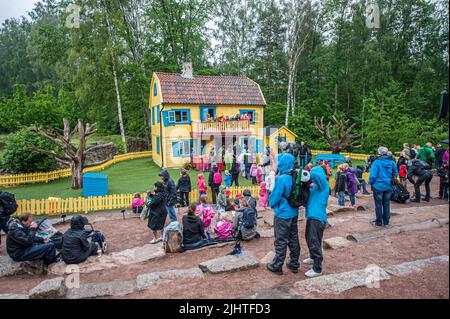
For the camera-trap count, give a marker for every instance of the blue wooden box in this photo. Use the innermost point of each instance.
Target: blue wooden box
(95, 184)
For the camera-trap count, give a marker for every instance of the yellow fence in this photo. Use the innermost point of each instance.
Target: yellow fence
(21, 179)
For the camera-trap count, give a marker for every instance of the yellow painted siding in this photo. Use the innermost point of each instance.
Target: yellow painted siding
(272, 140)
(155, 126)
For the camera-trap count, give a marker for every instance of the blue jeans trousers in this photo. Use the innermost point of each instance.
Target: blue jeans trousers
(382, 206)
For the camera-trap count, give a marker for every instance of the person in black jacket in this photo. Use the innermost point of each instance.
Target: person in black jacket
(171, 194)
(438, 155)
(193, 230)
(76, 247)
(158, 212)
(22, 244)
(235, 171)
(339, 187)
(184, 187)
(422, 170)
(214, 186)
(303, 152)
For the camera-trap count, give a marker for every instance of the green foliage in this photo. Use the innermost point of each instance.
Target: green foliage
(18, 158)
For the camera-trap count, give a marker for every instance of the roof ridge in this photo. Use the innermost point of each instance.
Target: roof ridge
(208, 76)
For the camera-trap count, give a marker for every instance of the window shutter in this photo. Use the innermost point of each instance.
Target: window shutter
(165, 115)
(175, 149)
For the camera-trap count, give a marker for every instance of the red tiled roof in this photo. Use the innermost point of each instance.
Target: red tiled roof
(225, 90)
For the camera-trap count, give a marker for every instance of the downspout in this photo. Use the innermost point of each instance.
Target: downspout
(161, 137)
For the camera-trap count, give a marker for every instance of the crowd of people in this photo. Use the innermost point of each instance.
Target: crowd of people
(224, 217)
(222, 118)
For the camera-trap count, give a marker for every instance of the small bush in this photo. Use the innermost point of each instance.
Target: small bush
(18, 158)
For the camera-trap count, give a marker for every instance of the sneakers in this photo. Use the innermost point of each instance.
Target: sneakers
(155, 240)
(311, 273)
(374, 224)
(277, 271)
(235, 251)
(308, 261)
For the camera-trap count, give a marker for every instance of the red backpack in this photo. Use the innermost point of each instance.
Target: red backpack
(217, 178)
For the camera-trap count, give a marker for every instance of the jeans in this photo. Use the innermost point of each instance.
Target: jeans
(286, 235)
(47, 252)
(341, 199)
(214, 193)
(194, 245)
(184, 198)
(235, 179)
(303, 160)
(352, 199)
(424, 178)
(382, 206)
(172, 213)
(363, 185)
(314, 234)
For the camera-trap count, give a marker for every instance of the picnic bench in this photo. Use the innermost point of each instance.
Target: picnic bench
(333, 159)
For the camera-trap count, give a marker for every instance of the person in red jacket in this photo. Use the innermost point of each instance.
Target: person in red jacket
(403, 173)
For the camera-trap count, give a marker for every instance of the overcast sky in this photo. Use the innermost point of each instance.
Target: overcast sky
(15, 8)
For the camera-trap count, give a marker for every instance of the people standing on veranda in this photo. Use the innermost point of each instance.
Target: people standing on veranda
(382, 172)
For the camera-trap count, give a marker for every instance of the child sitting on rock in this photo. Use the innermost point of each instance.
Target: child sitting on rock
(263, 196)
(223, 201)
(206, 212)
(245, 221)
(137, 204)
(224, 227)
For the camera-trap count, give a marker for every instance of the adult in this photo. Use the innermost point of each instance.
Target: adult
(228, 158)
(214, 183)
(445, 157)
(193, 230)
(76, 247)
(426, 154)
(303, 152)
(247, 162)
(184, 187)
(286, 218)
(382, 172)
(171, 194)
(23, 244)
(438, 155)
(407, 151)
(158, 212)
(421, 170)
(235, 172)
(414, 151)
(266, 164)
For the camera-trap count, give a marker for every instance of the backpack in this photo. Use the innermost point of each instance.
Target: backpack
(249, 218)
(400, 194)
(8, 204)
(217, 178)
(300, 190)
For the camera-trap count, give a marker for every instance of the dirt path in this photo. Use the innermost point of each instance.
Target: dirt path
(405, 247)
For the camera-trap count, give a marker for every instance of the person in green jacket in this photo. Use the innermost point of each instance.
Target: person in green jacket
(426, 154)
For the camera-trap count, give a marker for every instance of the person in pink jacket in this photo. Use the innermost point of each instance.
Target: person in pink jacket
(206, 212)
(137, 204)
(259, 174)
(263, 201)
(224, 227)
(254, 173)
(201, 184)
(445, 156)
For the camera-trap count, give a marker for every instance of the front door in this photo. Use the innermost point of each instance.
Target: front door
(205, 110)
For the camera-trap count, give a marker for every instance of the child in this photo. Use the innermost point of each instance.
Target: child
(263, 196)
(137, 204)
(351, 183)
(339, 187)
(224, 227)
(253, 173)
(251, 201)
(227, 179)
(403, 174)
(184, 187)
(201, 184)
(222, 200)
(246, 216)
(205, 162)
(316, 215)
(270, 182)
(158, 212)
(206, 212)
(259, 174)
(327, 169)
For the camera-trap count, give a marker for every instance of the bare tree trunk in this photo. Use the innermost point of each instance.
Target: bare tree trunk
(77, 174)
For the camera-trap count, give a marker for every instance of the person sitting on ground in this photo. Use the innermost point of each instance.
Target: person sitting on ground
(246, 215)
(206, 213)
(193, 230)
(422, 170)
(316, 219)
(222, 201)
(224, 227)
(22, 244)
(359, 175)
(250, 200)
(184, 187)
(77, 247)
(137, 204)
(158, 212)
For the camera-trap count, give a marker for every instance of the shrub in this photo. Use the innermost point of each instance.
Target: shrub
(18, 158)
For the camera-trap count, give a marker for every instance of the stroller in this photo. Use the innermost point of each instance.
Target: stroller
(45, 229)
(97, 237)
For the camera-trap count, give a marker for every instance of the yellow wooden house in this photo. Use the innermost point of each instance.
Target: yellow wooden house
(181, 106)
(274, 135)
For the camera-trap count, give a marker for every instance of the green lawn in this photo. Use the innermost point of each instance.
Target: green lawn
(123, 178)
